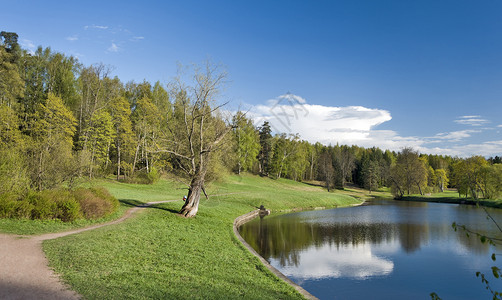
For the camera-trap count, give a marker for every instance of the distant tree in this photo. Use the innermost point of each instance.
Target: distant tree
(345, 161)
(13, 171)
(371, 174)
(246, 142)
(93, 86)
(281, 151)
(441, 179)
(52, 131)
(124, 138)
(326, 169)
(408, 173)
(265, 154)
(62, 74)
(467, 176)
(147, 119)
(137, 91)
(100, 139)
(9, 41)
(11, 84)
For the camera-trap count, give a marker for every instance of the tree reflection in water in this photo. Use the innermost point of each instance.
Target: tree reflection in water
(284, 237)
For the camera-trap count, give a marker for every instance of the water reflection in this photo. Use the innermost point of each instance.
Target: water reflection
(356, 262)
(380, 244)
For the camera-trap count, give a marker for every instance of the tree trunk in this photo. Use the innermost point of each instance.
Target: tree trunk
(420, 189)
(135, 158)
(191, 205)
(118, 162)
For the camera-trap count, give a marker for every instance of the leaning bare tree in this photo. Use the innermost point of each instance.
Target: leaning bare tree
(195, 130)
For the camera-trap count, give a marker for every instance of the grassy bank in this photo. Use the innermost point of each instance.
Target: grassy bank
(451, 196)
(158, 254)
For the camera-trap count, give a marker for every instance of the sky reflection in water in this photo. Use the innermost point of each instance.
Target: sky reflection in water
(384, 250)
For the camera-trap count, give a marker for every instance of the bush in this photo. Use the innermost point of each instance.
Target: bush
(153, 176)
(43, 206)
(22, 210)
(59, 204)
(142, 177)
(96, 202)
(7, 205)
(67, 210)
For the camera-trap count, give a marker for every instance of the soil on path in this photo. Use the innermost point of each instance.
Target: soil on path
(24, 269)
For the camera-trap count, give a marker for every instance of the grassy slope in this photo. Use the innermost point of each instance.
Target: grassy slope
(451, 196)
(158, 254)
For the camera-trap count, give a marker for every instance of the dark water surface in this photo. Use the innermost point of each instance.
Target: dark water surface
(383, 250)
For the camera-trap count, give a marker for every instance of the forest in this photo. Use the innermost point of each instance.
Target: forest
(62, 123)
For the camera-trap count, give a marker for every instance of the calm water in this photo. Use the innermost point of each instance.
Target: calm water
(383, 250)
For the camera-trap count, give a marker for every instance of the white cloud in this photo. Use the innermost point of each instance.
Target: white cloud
(137, 38)
(455, 136)
(357, 125)
(101, 27)
(499, 126)
(471, 120)
(72, 38)
(354, 261)
(113, 48)
(316, 123)
(27, 44)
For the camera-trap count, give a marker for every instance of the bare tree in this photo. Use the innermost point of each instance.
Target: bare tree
(326, 169)
(195, 130)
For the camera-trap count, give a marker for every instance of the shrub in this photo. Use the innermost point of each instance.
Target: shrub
(96, 202)
(68, 210)
(153, 176)
(59, 204)
(7, 205)
(43, 206)
(142, 177)
(21, 210)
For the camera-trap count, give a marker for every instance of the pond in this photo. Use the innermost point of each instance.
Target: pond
(381, 250)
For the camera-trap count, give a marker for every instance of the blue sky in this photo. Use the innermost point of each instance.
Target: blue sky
(425, 74)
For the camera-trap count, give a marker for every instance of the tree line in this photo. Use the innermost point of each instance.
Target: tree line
(62, 121)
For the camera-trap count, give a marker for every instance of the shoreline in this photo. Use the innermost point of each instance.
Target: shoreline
(451, 200)
(243, 219)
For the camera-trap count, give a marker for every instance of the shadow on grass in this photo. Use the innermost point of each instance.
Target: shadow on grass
(158, 206)
(136, 203)
(131, 202)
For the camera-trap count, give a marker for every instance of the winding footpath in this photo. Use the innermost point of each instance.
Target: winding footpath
(24, 269)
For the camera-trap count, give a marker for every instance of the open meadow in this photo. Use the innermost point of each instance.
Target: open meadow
(158, 254)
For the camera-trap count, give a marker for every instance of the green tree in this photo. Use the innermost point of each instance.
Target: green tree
(52, 130)
(100, 140)
(441, 179)
(246, 142)
(345, 164)
(195, 132)
(467, 176)
(96, 90)
(409, 174)
(146, 120)
(326, 169)
(124, 138)
(62, 74)
(266, 151)
(11, 84)
(13, 173)
(281, 151)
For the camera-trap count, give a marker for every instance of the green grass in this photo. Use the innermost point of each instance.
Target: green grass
(31, 227)
(451, 196)
(158, 254)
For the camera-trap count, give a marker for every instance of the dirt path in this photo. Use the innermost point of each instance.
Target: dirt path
(24, 269)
